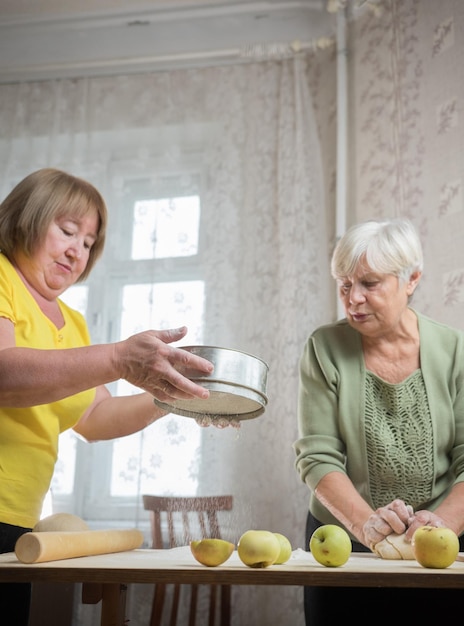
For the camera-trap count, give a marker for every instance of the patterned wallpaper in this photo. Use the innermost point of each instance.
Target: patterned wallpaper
(406, 147)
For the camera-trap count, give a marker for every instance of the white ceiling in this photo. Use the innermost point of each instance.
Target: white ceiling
(73, 7)
(41, 39)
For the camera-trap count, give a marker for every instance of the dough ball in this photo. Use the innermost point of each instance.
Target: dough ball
(60, 522)
(394, 547)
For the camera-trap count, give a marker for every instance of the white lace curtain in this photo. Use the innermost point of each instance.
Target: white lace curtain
(268, 243)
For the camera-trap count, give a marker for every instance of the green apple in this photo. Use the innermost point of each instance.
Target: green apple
(285, 549)
(258, 548)
(330, 545)
(435, 547)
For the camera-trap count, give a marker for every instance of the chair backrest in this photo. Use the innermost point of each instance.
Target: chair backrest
(198, 514)
(186, 519)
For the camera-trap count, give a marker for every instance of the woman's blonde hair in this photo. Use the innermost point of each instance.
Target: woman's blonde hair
(387, 246)
(38, 200)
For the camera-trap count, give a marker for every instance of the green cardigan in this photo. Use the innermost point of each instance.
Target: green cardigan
(331, 408)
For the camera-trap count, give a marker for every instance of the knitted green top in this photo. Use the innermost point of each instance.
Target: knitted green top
(394, 441)
(399, 440)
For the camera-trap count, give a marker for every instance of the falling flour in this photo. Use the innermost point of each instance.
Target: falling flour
(219, 421)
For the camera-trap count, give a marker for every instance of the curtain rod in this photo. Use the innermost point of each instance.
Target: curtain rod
(281, 50)
(249, 52)
(256, 51)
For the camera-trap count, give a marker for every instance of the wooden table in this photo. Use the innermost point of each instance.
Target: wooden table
(106, 577)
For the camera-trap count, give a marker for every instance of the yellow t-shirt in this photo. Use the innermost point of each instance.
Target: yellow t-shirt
(29, 436)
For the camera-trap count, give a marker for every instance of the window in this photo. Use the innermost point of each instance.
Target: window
(151, 276)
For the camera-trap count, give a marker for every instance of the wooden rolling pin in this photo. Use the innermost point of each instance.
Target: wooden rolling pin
(37, 547)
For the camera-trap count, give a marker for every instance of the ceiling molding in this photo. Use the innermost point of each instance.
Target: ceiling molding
(171, 11)
(40, 47)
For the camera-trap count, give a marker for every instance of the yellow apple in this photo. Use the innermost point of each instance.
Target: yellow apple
(285, 549)
(435, 547)
(211, 552)
(330, 545)
(258, 548)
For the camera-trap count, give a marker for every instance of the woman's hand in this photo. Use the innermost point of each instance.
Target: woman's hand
(423, 518)
(146, 360)
(392, 518)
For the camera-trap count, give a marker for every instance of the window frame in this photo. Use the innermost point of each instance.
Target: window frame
(91, 497)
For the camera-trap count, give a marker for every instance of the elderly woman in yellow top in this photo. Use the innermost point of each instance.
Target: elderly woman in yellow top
(381, 420)
(52, 231)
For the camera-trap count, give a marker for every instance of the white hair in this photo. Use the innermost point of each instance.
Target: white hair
(387, 246)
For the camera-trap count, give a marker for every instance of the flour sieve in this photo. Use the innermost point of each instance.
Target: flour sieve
(237, 388)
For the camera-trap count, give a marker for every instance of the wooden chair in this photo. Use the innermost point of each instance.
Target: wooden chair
(185, 519)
